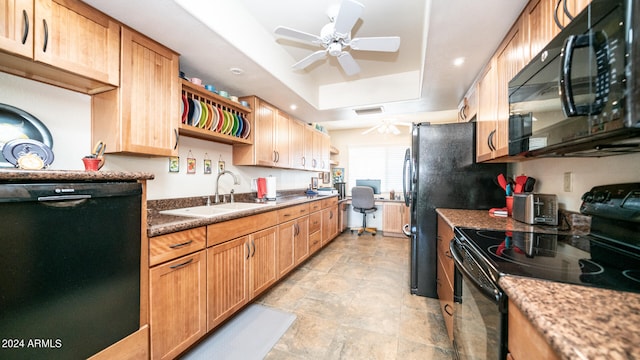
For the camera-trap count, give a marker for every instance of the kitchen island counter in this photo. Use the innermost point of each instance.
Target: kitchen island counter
(578, 322)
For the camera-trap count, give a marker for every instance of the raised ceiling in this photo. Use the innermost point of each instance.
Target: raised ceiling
(418, 83)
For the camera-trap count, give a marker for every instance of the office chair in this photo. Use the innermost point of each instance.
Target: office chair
(363, 202)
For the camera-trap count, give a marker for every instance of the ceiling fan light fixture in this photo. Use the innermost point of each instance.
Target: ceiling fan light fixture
(334, 49)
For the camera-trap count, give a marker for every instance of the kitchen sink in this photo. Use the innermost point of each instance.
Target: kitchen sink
(205, 211)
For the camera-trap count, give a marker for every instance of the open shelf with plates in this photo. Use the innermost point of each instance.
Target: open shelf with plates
(209, 116)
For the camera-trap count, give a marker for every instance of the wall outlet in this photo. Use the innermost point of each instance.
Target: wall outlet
(568, 181)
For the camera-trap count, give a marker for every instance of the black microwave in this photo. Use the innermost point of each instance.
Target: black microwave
(580, 96)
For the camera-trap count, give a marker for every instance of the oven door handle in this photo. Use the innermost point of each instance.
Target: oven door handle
(494, 293)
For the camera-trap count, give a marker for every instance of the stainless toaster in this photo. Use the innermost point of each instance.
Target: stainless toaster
(532, 208)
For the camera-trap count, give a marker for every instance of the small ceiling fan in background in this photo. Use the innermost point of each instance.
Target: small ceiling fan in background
(387, 126)
(335, 37)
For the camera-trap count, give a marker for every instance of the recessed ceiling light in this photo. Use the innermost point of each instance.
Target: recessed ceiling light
(458, 61)
(236, 71)
(293, 106)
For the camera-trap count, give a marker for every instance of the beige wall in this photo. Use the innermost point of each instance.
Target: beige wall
(587, 172)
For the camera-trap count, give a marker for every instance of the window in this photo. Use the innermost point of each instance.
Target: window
(377, 162)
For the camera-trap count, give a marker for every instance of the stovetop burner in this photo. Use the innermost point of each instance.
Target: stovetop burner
(583, 260)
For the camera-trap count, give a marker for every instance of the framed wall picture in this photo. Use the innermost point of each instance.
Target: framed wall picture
(326, 178)
(338, 175)
(191, 165)
(314, 183)
(174, 164)
(207, 166)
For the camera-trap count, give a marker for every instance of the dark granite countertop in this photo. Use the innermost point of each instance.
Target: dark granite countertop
(481, 219)
(160, 224)
(16, 175)
(578, 322)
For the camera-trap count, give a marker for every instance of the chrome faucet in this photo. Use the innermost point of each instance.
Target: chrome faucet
(236, 181)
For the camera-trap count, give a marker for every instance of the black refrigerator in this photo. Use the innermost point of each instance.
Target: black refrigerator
(440, 171)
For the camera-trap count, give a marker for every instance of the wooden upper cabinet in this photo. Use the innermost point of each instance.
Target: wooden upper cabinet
(297, 141)
(75, 37)
(79, 45)
(540, 22)
(509, 61)
(265, 123)
(262, 152)
(487, 114)
(142, 116)
(16, 34)
(540, 25)
(282, 146)
(281, 141)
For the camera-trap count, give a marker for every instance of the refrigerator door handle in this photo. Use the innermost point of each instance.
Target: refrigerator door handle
(407, 178)
(406, 229)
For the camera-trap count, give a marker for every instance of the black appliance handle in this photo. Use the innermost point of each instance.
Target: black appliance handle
(598, 41)
(406, 178)
(494, 294)
(555, 15)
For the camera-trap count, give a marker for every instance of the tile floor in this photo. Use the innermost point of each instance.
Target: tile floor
(352, 301)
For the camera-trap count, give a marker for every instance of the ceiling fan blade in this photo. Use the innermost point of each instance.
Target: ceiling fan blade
(370, 130)
(387, 43)
(297, 35)
(394, 129)
(318, 55)
(349, 13)
(349, 65)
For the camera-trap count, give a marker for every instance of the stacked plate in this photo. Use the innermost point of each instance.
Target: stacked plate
(208, 116)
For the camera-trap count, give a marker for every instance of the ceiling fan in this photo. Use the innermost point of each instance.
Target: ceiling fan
(387, 126)
(335, 37)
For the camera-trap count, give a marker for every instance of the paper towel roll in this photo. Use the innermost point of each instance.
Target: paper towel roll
(271, 188)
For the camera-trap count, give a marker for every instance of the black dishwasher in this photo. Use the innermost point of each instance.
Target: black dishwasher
(69, 267)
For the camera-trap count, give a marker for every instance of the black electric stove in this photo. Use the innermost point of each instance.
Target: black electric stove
(609, 257)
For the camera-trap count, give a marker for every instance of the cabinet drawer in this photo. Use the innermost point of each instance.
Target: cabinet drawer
(315, 222)
(227, 230)
(292, 212)
(315, 242)
(325, 203)
(168, 247)
(315, 206)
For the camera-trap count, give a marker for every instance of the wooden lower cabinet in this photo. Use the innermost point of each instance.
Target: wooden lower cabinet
(394, 216)
(193, 294)
(329, 224)
(227, 279)
(293, 244)
(178, 307)
(315, 242)
(262, 271)
(445, 274)
(525, 342)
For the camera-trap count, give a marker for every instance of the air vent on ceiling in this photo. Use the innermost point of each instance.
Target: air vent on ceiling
(369, 111)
